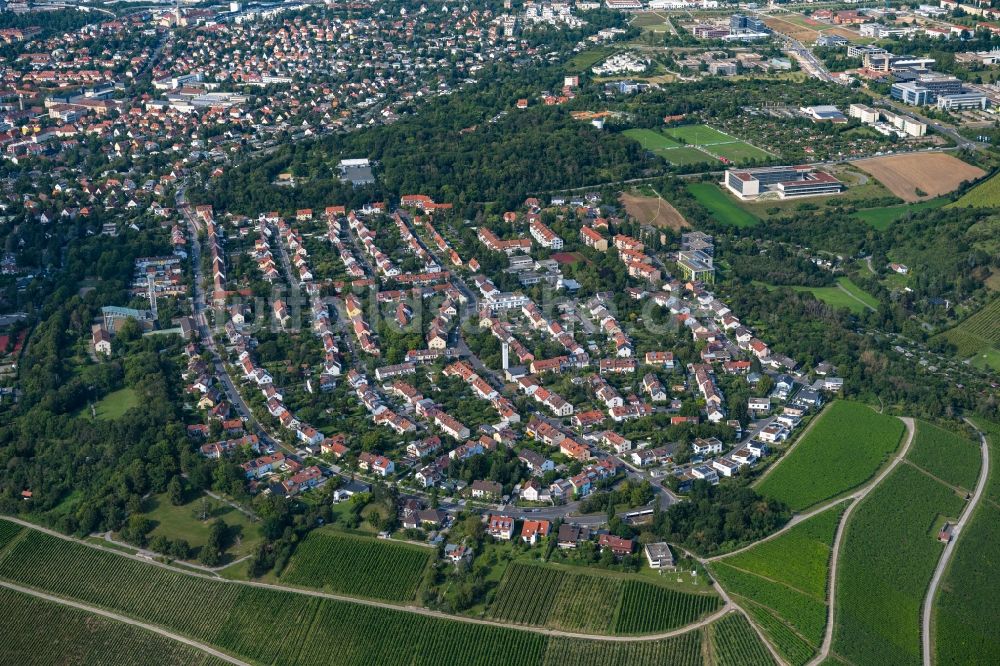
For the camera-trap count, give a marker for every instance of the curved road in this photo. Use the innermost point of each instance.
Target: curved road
(127, 620)
(970, 508)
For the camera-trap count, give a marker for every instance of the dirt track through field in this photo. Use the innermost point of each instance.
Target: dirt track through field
(932, 173)
(654, 210)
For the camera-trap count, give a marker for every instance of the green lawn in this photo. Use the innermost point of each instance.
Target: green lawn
(115, 404)
(858, 292)
(844, 448)
(699, 135)
(881, 218)
(836, 297)
(721, 205)
(951, 457)
(183, 522)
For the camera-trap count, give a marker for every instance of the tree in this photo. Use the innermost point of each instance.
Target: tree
(175, 491)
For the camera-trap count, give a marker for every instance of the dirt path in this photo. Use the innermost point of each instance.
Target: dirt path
(126, 620)
(824, 651)
(728, 605)
(846, 291)
(949, 549)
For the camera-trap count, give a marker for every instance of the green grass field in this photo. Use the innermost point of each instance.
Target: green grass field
(651, 139)
(592, 603)
(833, 296)
(739, 152)
(786, 579)
(262, 625)
(881, 218)
(663, 146)
(357, 565)
(699, 135)
(887, 558)
(984, 195)
(968, 602)
(43, 632)
(721, 205)
(115, 404)
(182, 522)
(586, 59)
(951, 457)
(849, 443)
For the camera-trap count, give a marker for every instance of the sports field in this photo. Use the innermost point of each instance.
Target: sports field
(695, 144)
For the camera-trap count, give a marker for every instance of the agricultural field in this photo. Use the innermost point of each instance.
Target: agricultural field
(849, 441)
(882, 218)
(886, 561)
(920, 176)
(734, 643)
(984, 195)
(683, 650)
(951, 457)
(543, 596)
(785, 582)
(653, 210)
(300, 629)
(722, 207)
(357, 565)
(979, 335)
(647, 608)
(968, 601)
(43, 632)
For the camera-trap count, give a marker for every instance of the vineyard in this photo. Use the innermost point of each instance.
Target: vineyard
(42, 632)
(265, 625)
(947, 455)
(968, 602)
(849, 442)
(888, 555)
(513, 606)
(980, 333)
(791, 645)
(683, 650)
(782, 583)
(647, 608)
(799, 558)
(734, 643)
(543, 596)
(359, 566)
